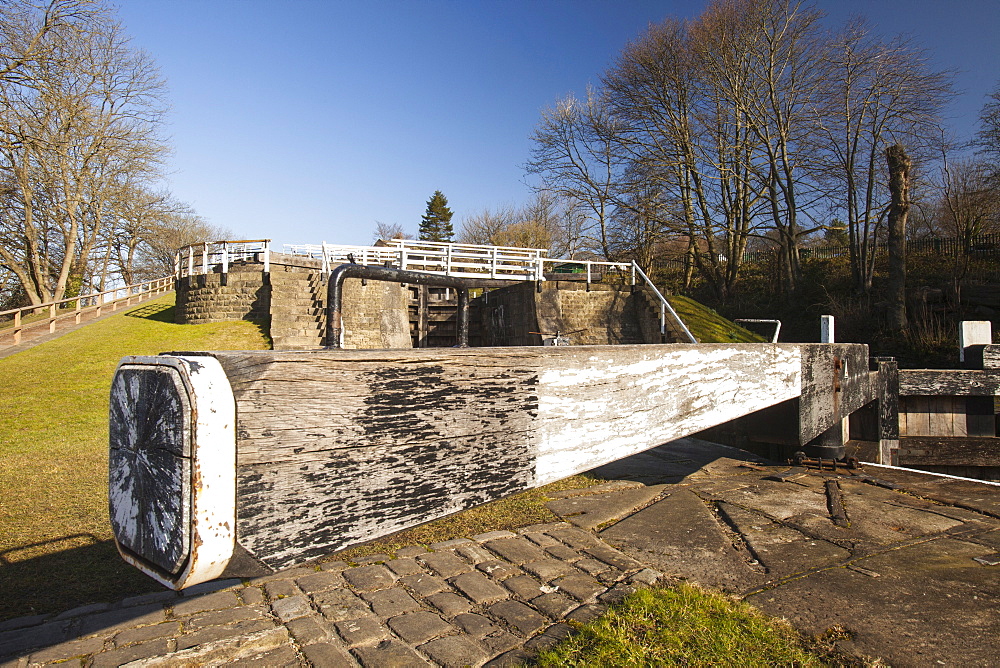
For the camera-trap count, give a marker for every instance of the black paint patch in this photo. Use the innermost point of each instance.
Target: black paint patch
(437, 441)
(149, 468)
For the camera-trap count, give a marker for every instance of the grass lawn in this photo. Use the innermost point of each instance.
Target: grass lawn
(681, 625)
(55, 538)
(708, 326)
(56, 548)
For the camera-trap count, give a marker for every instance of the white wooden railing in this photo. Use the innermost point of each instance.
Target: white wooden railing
(75, 307)
(432, 257)
(475, 261)
(202, 258)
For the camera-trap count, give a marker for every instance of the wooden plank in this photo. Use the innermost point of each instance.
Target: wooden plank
(941, 416)
(382, 440)
(953, 382)
(333, 448)
(944, 451)
(961, 427)
(980, 418)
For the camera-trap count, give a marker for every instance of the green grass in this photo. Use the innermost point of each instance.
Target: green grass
(511, 513)
(708, 326)
(681, 625)
(55, 538)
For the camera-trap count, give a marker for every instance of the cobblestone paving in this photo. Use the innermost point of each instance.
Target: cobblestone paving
(493, 599)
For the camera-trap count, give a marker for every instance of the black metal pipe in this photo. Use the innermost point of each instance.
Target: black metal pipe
(335, 294)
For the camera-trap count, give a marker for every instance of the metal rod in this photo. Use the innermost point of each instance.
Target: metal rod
(335, 295)
(776, 323)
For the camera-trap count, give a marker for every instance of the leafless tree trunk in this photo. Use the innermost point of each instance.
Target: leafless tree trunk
(899, 207)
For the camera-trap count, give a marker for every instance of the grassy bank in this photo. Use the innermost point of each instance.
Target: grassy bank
(55, 539)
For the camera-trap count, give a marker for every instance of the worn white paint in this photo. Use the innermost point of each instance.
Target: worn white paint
(973, 333)
(213, 468)
(827, 329)
(618, 409)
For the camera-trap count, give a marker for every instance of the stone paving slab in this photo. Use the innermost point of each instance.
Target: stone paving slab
(905, 573)
(469, 602)
(911, 575)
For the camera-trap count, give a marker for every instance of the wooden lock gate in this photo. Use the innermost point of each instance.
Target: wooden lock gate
(241, 463)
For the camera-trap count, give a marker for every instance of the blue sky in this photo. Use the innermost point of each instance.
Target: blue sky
(305, 121)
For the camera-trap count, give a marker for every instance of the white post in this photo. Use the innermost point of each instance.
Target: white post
(326, 261)
(447, 263)
(633, 272)
(973, 333)
(826, 333)
(267, 257)
(493, 264)
(190, 261)
(204, 258)
(225, 257)
(588, 274)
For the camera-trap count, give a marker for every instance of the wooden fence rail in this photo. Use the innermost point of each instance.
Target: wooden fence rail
(75, 307)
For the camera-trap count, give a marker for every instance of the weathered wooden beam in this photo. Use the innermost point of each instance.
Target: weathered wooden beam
(948, 382)
(332, 448)
(949, 451)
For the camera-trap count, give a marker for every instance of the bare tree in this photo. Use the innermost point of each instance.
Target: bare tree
(875, 92)
(484, 226)
(899, 166)
(387, 231)
(577, 153)
(28, 29)
(87, 123)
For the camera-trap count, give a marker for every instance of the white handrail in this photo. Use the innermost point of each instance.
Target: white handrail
(222, 253)
(664, 306)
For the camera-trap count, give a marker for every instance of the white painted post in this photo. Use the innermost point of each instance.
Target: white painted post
(190, 261)
(267, 257)
(225, 258)
(447, 265)
(826, 333)
(204, 258)
(588, 273)
(493, 265)
(973, 333)
(633, 272)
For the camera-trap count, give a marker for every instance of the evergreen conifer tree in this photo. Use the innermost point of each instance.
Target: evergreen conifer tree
(435, 224)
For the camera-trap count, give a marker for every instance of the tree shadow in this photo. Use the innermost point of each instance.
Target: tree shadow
(59, 581)
(158, 312)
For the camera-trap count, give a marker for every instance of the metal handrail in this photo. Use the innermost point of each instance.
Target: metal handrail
(664, 306)
(776, 323)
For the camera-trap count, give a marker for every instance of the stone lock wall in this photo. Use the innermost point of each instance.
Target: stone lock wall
(239, 295)
(291, 300)
(603, 315)
(375, 315)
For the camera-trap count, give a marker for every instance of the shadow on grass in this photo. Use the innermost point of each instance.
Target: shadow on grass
(158, 312)
(60, 581)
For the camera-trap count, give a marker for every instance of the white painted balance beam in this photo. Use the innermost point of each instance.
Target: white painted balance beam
(240, 463)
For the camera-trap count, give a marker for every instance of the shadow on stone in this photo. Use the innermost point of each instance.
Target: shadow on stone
(60, 580)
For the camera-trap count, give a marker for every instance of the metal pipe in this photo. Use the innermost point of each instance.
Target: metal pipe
(776, 323)
(335, 295)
